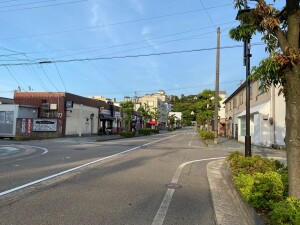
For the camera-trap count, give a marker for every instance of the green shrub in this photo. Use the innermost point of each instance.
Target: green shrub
(144, 131)
(206, 134)
(261, 190)
(155, 131)
(127, 134)
(170, 129)
(286, 212)
(240, 164)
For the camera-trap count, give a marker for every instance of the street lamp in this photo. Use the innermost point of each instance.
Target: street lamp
(247, 56)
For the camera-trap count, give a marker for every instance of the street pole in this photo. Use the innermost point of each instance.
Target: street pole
(217, 89)
(247, 56)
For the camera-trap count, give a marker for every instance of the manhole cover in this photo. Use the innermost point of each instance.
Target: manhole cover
(173, 186)
(80, 149)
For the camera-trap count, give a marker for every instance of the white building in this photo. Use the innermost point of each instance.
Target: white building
(267, 115)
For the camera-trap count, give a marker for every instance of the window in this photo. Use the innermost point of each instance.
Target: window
(241, 95)
(229, 104)
(234, 103)
(243, 126)
(260, 88)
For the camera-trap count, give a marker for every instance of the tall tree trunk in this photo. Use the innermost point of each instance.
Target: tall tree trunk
(292, 139)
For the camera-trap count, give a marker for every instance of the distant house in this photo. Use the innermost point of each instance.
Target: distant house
(178, 118)
(6, 101)
(267, 115)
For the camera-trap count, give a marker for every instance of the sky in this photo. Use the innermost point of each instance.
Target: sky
(89, 42)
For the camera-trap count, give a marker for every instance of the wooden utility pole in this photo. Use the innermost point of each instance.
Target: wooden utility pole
(216, 122)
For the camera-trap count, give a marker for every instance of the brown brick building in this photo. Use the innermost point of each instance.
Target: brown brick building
(75, 114)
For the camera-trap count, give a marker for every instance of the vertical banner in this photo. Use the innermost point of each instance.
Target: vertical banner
(29, 126)
(23, 128)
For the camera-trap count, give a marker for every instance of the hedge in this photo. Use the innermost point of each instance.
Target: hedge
(263, 183)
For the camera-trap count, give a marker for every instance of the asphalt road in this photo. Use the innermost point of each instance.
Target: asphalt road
(129, 181)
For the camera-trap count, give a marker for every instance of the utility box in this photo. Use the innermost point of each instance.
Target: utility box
(9, 113)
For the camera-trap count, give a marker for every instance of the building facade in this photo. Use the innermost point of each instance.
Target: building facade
(75, 115)
(267, 115)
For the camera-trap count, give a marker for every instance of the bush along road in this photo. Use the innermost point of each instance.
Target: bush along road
(263, 184)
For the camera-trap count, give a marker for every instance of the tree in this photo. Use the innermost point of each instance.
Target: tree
(145, 112)
(127, 109)
(280, 32)
(155, 114)
(205, 107)
(172, 119)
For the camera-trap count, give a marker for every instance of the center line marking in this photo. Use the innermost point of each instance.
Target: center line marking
(163, 209)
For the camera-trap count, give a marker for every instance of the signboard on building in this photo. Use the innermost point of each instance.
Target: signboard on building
(23, 128)
(44, 125)
(29, 126)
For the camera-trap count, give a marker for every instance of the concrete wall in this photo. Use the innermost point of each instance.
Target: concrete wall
(24, 130)
(79, 122)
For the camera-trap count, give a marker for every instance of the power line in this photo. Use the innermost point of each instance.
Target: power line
(169, 89)
(30, 3)
(126, 56)
(49, 78)
(113, 24)
(37, 7)
(153, 43)
(95, 48)
(60, 77)
(205, 9)
(103, 74)
(14, 77)
(38, 77)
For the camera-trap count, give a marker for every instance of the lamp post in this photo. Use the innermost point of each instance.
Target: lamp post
(247, 56)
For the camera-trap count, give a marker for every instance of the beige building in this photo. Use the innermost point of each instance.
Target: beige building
(154, 101)
(267, 115)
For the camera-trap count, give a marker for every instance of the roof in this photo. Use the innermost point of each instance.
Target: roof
(235, 92)
(254, 109)
(6, 100)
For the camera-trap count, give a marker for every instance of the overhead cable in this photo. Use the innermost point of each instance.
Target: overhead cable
(113, 24)
(126, 56)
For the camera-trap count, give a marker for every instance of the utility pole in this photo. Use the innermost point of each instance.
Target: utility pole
(247, 56)
(216, 122)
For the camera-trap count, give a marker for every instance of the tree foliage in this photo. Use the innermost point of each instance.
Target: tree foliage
(273, 25)
(127, 109)
(202, 106)
(280, 32)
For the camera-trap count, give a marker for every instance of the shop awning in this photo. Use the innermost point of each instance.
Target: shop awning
(106, 117)
(255, 109)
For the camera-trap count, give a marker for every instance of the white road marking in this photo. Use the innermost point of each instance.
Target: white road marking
(76, 168)
(45, 151)
(190, 144)
(163, 209)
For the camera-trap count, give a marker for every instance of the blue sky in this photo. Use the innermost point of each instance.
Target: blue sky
(75, 29)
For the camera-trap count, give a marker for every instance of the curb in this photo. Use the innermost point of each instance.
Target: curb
(229, 208)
